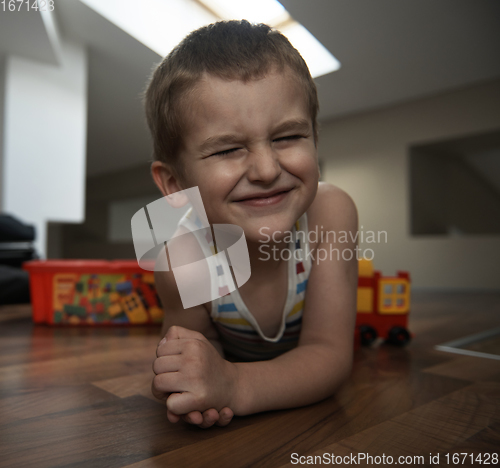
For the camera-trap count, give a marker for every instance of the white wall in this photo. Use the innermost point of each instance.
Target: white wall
(2, 94)
(45, 139)
(368, 156)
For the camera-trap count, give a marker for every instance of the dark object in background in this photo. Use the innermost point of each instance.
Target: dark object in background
(14, 285)
(13, 230)
(16, 241)
(16, 247)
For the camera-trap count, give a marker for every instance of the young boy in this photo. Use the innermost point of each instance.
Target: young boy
(232, 111)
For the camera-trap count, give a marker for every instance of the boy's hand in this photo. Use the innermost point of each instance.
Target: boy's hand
(192, 376)
(206, 419)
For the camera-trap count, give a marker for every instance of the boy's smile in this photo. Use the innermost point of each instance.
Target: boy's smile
(249, 147)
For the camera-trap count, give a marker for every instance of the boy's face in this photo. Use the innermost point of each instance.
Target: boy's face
(249, 147)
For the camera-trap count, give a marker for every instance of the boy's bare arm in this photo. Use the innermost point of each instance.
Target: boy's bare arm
(195, 318)
(308, 373)
(323, 359)
(198, 320)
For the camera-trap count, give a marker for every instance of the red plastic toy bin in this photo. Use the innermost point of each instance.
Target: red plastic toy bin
(92, 293)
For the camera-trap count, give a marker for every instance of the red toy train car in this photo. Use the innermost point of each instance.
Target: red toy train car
(383, 305)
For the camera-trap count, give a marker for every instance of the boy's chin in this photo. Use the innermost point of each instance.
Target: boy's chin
(268, 233)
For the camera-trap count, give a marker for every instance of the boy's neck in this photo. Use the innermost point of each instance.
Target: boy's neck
(267, 256)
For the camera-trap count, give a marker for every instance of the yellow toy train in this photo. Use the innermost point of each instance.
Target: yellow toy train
(383, 305)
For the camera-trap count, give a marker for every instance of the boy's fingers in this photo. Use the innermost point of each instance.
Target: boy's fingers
(158, 393)
(173, 418)
(194, 417)
(210, 417)
(203, 420)
(170, 382)
(169, 348)
(180, 333)
(180, 403)
(225, 416)
(165, 364)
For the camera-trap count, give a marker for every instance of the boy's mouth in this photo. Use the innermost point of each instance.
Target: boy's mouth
(264, 198)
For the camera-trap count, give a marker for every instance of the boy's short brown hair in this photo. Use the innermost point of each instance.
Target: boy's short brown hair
(228, 50)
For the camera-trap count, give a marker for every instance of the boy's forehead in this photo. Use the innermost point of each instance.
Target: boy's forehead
(211, 93)
(283, 76)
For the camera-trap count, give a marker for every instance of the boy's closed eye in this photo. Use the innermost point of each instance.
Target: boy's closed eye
(289, 137)
(222, 153)
(276, 140)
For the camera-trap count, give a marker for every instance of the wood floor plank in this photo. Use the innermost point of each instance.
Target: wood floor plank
(468, 368)
(480, 444)
(44, 343)
(129, 385)
(31, 350)
(74, 370)
(363, 406)
(245, 447)
(39, 402)
(435, 427)
(107, 434)
(15, 312)
(357, 405)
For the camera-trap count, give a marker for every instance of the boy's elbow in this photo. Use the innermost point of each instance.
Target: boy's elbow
(339, 370)
(346, 371)
(336, 379)
(333, 367)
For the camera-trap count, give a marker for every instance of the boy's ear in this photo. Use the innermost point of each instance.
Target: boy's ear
(165, 178)
(169, 184)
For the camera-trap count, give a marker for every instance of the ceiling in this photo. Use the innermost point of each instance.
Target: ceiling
(391, 51)
(24, 33)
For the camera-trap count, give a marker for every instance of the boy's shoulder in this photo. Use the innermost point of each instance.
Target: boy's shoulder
(332, 209)
(183, 249)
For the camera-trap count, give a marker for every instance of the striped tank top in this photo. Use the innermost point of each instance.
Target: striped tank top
(239, 332)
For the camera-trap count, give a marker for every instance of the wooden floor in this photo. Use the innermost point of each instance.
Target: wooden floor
(81, 398)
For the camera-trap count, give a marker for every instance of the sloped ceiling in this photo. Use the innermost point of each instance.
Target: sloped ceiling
(391, 51)
(23, 33)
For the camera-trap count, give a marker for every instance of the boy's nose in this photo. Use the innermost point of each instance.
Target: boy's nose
(263, 165)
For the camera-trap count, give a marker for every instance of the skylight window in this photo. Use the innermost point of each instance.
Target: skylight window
(158, 24)
(270, 12)
(162, 24)
(319, 60)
